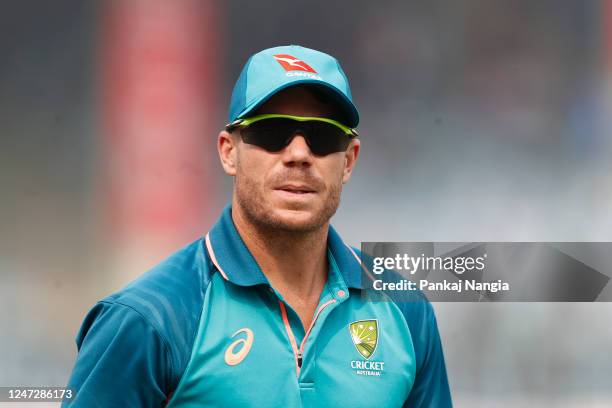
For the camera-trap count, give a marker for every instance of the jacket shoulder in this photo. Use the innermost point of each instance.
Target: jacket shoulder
(170, 297)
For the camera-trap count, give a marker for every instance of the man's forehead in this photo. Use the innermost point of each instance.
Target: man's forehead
(301, 101)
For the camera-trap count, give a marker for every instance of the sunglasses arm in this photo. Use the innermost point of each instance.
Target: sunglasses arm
(231, 126)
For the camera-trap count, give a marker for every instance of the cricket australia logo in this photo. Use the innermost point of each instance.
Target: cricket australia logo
(364, 334)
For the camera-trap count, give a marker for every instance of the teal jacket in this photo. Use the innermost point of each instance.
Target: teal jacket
(204, 328)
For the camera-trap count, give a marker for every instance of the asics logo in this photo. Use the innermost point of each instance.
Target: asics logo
(234, 358)
(291, 63)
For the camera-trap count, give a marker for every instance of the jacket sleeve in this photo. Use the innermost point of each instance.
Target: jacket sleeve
(430, 387)
(122, 360)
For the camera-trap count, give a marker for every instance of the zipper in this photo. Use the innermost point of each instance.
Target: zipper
(294, 346)
(298, 352)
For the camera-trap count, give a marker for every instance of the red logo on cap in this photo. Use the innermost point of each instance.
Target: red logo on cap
(293, 64)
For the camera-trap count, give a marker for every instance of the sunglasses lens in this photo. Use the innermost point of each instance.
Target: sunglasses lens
(270, 134)
(275, 134)
(326, 138)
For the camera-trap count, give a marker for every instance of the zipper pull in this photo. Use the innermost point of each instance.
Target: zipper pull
(299, 359)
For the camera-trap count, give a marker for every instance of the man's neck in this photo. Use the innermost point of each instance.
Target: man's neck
(295, 263)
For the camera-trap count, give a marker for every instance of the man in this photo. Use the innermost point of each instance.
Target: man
(265, 310)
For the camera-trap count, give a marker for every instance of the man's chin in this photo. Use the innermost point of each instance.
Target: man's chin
(295, 220)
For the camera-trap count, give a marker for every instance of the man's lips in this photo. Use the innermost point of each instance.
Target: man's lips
(296, 189)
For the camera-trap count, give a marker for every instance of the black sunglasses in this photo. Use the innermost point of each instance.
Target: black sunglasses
(274, 132)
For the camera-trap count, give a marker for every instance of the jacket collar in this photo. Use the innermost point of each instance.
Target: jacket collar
(236, 263)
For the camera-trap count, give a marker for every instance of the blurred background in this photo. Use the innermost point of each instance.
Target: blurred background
(481, 120)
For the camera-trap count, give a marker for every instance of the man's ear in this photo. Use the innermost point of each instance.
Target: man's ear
(350, 159)
(227, 148)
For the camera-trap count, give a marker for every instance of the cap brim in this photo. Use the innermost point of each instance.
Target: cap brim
(350, 115)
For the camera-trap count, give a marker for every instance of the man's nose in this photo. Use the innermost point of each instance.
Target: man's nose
(297, 151)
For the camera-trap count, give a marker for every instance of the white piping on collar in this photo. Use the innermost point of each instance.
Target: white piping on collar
(214, 258)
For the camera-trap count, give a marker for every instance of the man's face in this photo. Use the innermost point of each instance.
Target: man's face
(290, 190)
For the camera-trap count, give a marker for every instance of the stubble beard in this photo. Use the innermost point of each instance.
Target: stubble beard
(251, 200)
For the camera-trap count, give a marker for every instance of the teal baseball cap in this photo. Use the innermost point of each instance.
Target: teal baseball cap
(274, 69)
